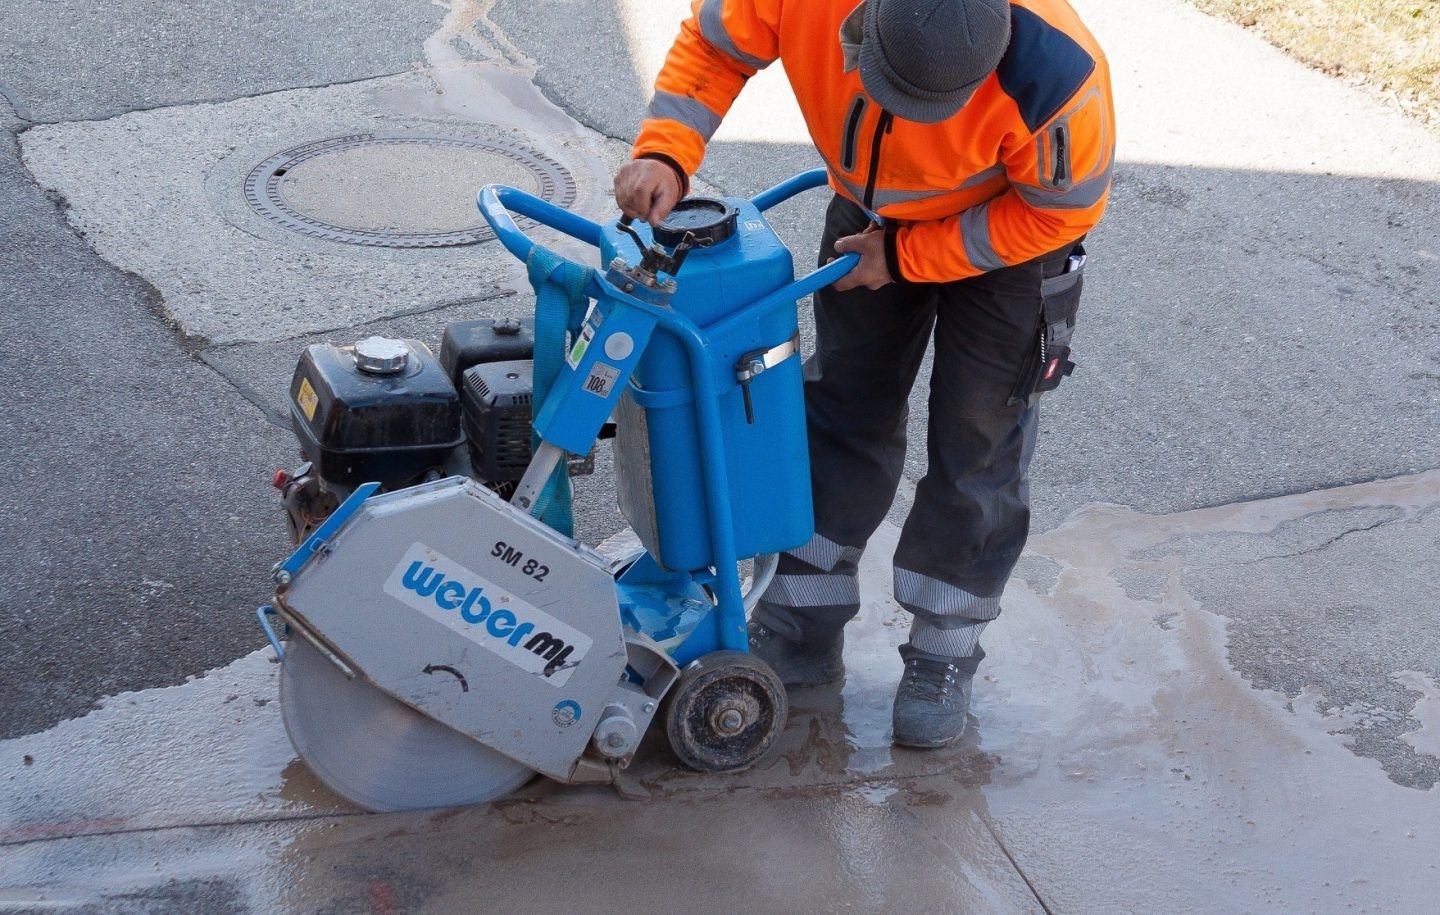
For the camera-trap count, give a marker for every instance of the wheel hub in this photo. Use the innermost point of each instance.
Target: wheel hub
(732, 715)
(725, 712)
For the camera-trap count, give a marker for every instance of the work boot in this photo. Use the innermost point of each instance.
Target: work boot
(813, 663)
(933, 701)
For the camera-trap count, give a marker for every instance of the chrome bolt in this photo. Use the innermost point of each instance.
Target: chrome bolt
(649, 707)
(282, 577)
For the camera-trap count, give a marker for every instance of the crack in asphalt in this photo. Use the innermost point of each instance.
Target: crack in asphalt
(401, 313)
(1266, 495)
(18, 112)
(210, 356)
(1328, 543)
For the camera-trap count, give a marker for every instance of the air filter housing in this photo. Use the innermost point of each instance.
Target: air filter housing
(496, 398)
(468, 343)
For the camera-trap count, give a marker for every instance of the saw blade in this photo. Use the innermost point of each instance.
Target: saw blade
(377, 752)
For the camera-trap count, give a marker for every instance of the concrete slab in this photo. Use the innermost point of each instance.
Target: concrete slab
(177, 215)
(1124, 758)
(1151, 760)
(67, 60)
(832, 821)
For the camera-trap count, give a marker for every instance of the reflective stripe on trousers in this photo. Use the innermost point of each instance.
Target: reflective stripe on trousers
(971, 513)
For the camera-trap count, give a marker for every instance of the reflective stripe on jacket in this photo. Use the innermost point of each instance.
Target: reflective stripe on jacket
(1022, 169)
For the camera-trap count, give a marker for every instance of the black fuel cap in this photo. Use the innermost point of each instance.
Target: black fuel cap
(710, 220)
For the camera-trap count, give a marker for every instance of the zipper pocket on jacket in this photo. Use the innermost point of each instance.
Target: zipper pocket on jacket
(1060, 177)
(852, 131)
(882, 127)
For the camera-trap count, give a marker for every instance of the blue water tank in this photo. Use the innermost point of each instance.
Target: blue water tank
(658, 458)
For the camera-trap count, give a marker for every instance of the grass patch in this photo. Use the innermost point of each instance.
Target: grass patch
(1391, 46)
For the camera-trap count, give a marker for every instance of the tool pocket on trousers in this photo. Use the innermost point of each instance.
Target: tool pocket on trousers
(1060, 302)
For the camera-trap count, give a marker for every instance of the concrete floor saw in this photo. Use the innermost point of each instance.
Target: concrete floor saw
(447, 637)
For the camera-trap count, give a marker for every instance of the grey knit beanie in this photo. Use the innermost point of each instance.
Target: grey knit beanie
(923, 59)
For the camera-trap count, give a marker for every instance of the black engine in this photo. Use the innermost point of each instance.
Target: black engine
(387, 411)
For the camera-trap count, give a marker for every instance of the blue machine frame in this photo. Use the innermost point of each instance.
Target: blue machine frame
(724, 627)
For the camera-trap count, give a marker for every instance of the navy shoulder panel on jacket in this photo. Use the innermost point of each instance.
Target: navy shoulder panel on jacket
(1041, 68)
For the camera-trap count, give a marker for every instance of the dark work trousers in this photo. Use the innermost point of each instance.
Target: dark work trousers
(971, 512)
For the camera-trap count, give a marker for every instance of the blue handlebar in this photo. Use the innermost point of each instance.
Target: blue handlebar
(788, 188)
(496, 201)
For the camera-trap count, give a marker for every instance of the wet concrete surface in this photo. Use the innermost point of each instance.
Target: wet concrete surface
(1311, 608)
(1122, 758)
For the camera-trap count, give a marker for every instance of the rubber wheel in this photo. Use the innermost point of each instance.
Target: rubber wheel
(725, 712)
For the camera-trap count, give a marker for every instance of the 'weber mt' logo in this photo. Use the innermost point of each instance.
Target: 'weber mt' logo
(521, 634)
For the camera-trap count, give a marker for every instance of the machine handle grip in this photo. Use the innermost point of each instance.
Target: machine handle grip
(786, 295)
(496, 201)
(788, 188)
(824, 276)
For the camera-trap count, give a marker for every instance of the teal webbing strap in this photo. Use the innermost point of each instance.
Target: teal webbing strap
(560, 304)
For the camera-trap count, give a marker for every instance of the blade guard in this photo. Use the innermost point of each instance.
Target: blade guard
(522, 623)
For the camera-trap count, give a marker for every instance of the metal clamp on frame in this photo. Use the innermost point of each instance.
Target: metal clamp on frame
(755, 363)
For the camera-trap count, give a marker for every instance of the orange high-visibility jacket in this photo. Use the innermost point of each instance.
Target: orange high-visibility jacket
(1018, 172)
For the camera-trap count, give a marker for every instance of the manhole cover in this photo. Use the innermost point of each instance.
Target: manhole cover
(397, 190)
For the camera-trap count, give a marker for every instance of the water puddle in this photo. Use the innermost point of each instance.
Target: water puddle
(1132, 755)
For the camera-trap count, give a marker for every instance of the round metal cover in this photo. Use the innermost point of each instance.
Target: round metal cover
(398, 190)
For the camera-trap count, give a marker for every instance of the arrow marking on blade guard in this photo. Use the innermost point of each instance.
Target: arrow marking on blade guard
(464, 685)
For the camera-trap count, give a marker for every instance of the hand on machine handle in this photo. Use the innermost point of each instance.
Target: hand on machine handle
(873, 271)
(646, 189)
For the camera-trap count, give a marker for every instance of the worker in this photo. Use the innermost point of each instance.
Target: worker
(969, 146)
